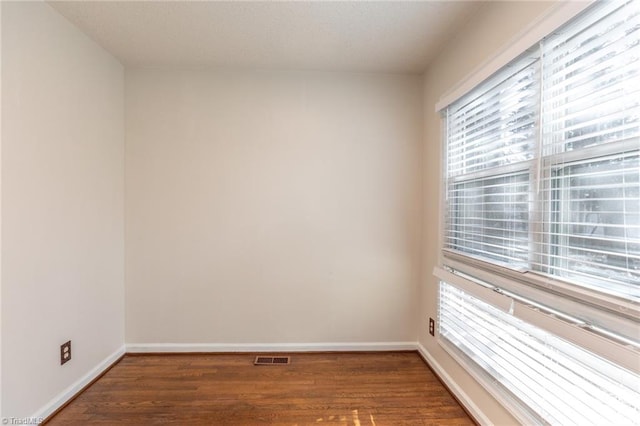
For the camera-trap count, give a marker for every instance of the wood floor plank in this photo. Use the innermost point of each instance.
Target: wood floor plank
(360, 389)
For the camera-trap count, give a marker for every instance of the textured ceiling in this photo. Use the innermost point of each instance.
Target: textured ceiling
(385, 36)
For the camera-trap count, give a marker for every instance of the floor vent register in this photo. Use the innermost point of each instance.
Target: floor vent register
(271, 360)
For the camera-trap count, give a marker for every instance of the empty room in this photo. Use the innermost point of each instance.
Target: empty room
(320, 212)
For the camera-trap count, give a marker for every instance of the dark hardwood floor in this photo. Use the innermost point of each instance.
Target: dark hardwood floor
(390, 388)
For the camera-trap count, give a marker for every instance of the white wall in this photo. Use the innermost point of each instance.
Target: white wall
(267, 207)
(493, 27)
(62, 205)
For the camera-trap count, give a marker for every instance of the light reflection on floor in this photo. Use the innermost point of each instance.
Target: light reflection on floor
(355, 419)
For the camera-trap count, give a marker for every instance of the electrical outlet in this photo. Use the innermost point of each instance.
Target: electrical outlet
(432, 327)
(65, 352)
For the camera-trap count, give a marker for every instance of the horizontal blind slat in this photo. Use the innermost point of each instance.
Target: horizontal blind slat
(560, 381)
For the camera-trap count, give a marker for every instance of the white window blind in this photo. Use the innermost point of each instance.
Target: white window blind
(591, 74)
(542, 159)
(490, 217)
(595, 232)
(495, 125)
(591, 144)
(554, 381)
(491, 138)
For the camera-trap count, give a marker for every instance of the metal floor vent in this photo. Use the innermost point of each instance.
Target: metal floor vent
(271, 360)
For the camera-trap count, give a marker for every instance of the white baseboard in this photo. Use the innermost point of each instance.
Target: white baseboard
(268, 347)
(64, 396)
(462, 396)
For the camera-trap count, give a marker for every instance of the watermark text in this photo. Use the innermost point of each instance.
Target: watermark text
(22, 420)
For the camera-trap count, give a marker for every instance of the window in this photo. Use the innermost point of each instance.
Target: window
(491, 217)
(542, 159)
(542, 188)
(595, 211)
(491, 145)
(590, 146)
